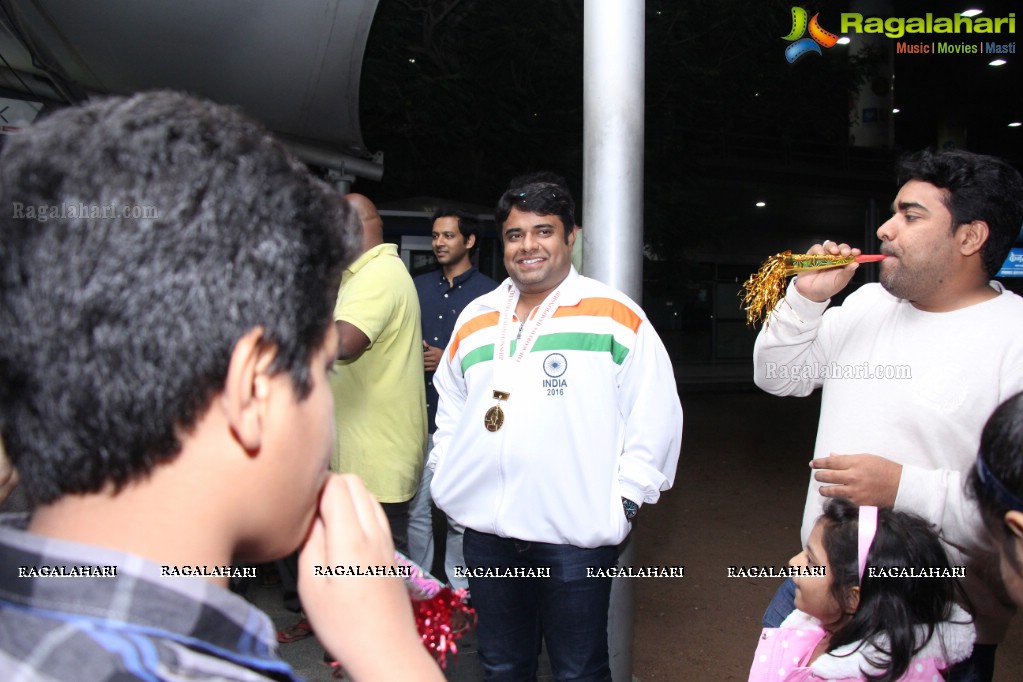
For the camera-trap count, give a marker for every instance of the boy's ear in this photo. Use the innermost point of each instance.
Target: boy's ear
(247, 388)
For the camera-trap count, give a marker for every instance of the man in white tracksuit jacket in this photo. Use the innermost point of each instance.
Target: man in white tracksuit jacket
(558, 418)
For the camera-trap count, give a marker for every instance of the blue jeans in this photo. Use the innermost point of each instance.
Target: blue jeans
(420, 531)
(979, 667)
(420, 522)
(782, 604)
(397, 517)
(568, 609)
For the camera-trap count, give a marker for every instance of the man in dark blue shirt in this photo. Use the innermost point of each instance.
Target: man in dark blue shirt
(442, 295)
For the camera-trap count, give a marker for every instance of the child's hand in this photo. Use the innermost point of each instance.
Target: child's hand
(365, 622)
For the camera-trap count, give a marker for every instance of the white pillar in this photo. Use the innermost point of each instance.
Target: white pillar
(614, 35)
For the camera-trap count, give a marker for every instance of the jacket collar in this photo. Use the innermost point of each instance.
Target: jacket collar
(571, 291)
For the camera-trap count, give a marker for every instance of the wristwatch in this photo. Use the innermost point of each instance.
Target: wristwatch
(630, 508)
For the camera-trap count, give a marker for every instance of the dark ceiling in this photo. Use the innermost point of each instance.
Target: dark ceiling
(298, 67)
(294, 66)
(843, 193)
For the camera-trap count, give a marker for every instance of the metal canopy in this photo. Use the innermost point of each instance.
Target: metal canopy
(293, 66)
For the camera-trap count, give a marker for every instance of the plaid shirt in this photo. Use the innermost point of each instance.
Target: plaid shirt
(137, 625)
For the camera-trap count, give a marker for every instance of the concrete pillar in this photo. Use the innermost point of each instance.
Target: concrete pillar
(614, 36)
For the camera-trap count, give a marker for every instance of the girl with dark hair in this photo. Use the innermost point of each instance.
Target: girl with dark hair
(875, 600)
(997, 485)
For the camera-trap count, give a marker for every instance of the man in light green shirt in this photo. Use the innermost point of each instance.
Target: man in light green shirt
(378, 377)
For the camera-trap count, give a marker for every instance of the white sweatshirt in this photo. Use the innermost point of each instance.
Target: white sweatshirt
(914, 387)
(594, 416)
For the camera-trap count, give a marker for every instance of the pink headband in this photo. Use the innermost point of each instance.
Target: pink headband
(867, 530)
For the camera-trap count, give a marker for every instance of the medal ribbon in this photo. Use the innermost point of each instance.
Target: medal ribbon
(503, 367)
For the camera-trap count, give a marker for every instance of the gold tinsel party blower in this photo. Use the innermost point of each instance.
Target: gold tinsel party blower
(766, 286)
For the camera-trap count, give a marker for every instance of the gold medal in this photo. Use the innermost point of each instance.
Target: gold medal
(529, 328)
(494, 418)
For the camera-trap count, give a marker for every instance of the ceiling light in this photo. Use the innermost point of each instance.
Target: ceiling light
(997, 62)
(972, 12)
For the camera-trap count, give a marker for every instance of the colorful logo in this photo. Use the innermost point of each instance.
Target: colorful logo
(803, 46)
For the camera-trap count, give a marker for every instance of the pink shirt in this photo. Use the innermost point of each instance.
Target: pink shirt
(783, 653)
